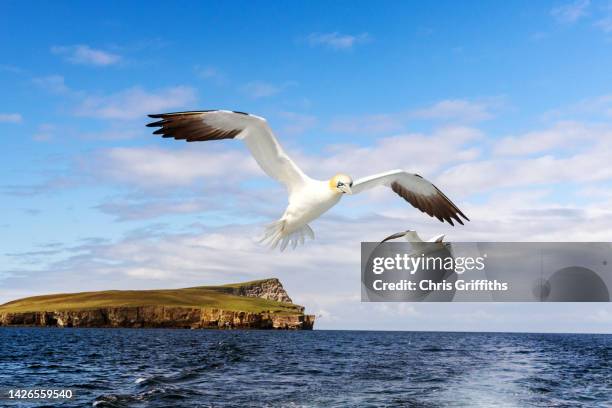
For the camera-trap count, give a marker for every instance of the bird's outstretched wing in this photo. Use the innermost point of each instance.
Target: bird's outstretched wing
(220, 124)
(417, 191)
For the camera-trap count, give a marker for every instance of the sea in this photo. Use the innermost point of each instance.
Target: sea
(206, 368)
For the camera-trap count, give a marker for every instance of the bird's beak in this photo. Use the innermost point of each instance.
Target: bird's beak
(346, 189)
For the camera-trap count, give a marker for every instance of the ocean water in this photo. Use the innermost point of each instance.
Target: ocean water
(199, 368)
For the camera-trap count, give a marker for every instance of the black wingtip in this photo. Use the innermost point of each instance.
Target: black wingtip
(463, 215)
(156, 124)
(394, 236)
(156, 115)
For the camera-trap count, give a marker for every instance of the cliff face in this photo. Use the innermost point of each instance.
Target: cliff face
(158, 317)
(271, 289)
(219, 307)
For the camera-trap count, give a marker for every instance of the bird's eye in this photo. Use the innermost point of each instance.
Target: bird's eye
(351, 184)
(340, 184)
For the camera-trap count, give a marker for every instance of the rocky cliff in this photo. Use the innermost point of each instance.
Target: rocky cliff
(265, 305)
(158, 317)
(271, 289)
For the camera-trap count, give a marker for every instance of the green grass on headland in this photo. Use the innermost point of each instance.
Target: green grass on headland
(204, 296)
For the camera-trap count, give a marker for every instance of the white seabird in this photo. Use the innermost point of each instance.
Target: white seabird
(413, 237)
(308, 198)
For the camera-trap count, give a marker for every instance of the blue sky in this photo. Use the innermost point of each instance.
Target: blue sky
(506, 106)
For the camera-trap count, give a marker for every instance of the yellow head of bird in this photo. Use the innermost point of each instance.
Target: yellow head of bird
(341, 183)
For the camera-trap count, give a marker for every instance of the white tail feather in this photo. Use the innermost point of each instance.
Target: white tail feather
(275, 234)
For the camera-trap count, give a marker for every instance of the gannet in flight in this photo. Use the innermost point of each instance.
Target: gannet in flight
(308, 198)
(413, 237)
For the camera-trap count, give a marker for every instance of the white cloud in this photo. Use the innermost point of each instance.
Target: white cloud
(397, 309)
(192, 258)
(211, 74)
(148, 273)
(85, 55)
(122, 132)
(129, 210)
(135, 103)
(601, 316)
(457, 110)
(13, 69)
(10, 118)
(130, 103)
(565, 152)
(263, 89)
(422, 153)
(605, 24)
(368, 124)
(493, 174)
(336, 40)
(206, 72)
(561, 136)
(599, 107)
(44, 133)
(225, 163)
(155, 167)
(52, 83)
(296, 123)
(570, 12)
